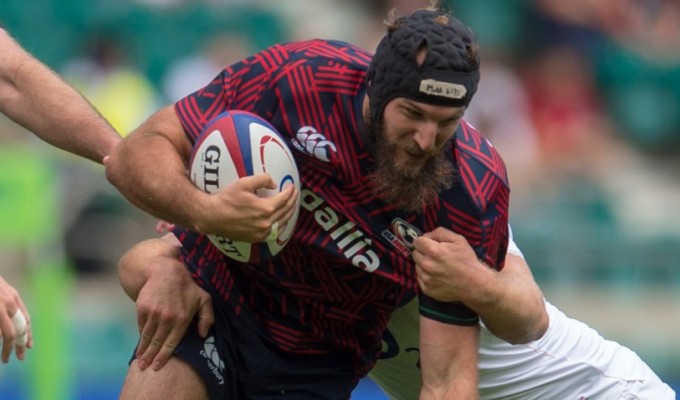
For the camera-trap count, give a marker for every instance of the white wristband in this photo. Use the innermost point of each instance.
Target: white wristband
(19, 321)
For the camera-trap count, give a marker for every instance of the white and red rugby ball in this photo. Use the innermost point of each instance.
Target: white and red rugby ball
(236, 144)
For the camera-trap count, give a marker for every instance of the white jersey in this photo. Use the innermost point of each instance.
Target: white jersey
(571, 361)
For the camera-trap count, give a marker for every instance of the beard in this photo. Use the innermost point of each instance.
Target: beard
(408, 187)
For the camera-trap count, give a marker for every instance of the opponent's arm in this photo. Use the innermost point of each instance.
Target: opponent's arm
(509, 301)
(33, 96)
(449, 332)
(448, 360)
(167, 298)
(149, 169)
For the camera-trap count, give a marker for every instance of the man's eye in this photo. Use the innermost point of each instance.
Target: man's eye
(449, 122)
(413, 114)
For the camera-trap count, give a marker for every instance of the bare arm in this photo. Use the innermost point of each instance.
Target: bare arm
(448, 359)
(167, 298)
(33, 96)
(149, 169)
(508, 301)
(141, 261)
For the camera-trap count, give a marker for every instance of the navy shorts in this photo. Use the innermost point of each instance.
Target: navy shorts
(237, 363)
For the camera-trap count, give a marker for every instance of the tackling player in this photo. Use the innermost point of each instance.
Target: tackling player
(570, 361)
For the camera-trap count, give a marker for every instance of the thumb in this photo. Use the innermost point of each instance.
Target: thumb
(206, 317)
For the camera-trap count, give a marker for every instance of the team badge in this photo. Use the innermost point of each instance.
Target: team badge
(401, 235)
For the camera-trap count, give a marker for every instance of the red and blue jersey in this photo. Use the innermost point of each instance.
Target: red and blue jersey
(348, 265)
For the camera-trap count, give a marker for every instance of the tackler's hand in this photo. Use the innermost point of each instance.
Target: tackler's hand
(445, 264)
(166, 306)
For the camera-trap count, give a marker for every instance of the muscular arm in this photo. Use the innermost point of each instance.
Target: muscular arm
(448, 359)
(509, 301)
(145, 259)
(33, 96)
(149, 169)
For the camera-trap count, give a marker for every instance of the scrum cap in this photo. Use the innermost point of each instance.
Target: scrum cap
(448, 75)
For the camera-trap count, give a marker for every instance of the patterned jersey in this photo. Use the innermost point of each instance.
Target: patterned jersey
(348, 264)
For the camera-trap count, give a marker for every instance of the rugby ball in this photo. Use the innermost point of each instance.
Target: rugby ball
(236, 144)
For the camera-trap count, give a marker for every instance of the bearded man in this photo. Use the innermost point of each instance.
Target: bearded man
(393, 180)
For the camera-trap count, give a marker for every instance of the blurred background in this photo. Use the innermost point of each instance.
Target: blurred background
(582, 98)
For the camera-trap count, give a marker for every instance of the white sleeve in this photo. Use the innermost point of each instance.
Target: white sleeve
(512, 246)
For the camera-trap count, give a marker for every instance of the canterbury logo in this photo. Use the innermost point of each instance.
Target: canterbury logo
(215, 363)
(309, 141)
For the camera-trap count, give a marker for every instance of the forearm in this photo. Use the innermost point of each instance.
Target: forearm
(155, 179)
(138, 264)
(34, 96)
(448, 358)
(509, 302)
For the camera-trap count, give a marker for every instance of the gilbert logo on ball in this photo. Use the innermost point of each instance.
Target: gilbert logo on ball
(236, 144)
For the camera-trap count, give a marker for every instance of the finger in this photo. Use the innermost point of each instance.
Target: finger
(20, 333)
(206, 318)
(418, 258)
(7, 334)
(167, 348)
(424, 244)
(291, 204)
(285, 209)
(437, 233)
(155, 345)
(163, 226)
(142, 348)
(284, 222)
(284, 201)
(146, 331)
(424, 268)
(29, 327)
(7, 345)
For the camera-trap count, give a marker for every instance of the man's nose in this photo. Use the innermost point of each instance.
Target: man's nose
(426, 136)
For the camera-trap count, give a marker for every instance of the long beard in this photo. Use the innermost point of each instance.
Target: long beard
(408, 187)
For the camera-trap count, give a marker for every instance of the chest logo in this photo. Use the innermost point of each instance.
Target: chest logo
(401, 235)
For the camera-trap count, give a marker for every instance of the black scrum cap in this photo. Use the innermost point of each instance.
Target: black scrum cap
(447, 76)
